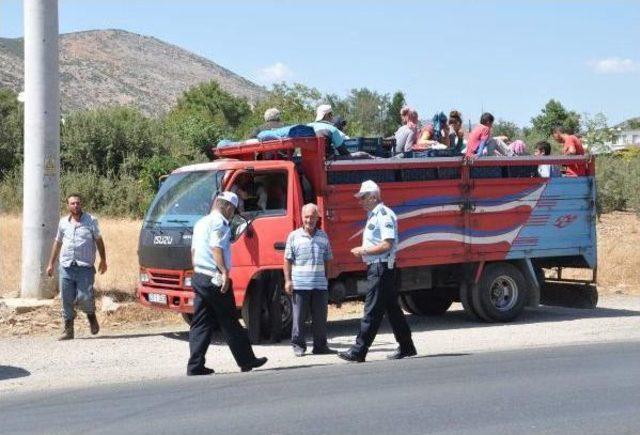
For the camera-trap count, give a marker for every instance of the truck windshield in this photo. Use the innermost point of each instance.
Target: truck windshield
(183, 199)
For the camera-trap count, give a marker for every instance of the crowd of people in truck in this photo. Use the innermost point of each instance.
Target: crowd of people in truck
(441, 137)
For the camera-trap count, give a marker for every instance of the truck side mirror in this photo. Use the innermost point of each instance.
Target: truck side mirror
(238, 226)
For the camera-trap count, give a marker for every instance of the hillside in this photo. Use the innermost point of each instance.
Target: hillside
(108, 67)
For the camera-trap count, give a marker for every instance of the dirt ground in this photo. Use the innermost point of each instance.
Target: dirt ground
(618, 273)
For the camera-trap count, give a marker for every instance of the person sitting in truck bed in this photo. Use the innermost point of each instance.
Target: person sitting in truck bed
(406, 135)
(543, 148)
(478, 144)
(435, 133)
(571, 146)
(456, 132)
(323, 126)
(271, 121)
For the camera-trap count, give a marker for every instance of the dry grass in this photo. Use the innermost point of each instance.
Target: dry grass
(121, 241)
(618, 249)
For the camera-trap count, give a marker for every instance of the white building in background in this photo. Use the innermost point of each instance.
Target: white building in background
(625, 138)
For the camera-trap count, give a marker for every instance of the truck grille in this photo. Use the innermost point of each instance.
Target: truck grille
(165, 279)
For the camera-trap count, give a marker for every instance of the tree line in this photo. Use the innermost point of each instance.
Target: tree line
(114, 156)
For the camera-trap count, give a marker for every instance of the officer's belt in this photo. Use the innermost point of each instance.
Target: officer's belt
(378, 260)
(204, 271)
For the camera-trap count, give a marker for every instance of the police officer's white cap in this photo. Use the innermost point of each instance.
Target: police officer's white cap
(229, 197)
(367, 187)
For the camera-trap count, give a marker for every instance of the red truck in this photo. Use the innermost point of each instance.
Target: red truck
(478, 231)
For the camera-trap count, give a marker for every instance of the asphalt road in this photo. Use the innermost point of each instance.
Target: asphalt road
(572, 389)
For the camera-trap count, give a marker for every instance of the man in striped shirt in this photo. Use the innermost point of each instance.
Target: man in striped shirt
(306, 259)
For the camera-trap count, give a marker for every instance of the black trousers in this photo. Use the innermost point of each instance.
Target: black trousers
(381, 298)
(209, 306)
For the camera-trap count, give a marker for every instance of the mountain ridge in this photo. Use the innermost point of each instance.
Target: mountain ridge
(110, 67)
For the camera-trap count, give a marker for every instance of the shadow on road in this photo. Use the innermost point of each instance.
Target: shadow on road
(455, 319)
(11, 372)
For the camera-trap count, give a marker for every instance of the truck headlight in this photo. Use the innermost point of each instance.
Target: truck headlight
(187, 281)
(144, 277)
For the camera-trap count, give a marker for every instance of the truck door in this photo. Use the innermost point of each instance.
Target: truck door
(266, 198)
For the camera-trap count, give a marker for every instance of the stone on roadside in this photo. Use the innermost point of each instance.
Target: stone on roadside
(108, 305)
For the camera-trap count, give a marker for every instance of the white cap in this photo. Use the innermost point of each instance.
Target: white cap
(322, 110)
(272, 114)
(229, 197)
(367, 187)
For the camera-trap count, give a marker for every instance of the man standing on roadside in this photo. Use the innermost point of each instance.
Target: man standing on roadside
(76, 241)
(306, 260)
(378, 250)
(213, 301)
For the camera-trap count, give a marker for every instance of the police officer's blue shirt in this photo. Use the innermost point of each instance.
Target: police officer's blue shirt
(211, 231)
(382, 224)
(337, 138)
(78, 240)
(307, 254)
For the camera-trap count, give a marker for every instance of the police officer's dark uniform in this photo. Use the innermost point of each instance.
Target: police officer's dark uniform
(382, 296)
(210, 305)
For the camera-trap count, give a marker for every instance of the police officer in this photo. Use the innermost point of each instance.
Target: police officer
(213, 301)
(379, 245)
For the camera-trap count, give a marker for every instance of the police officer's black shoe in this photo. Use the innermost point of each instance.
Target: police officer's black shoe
(93, 323)
(201, 372)
(350, 356)
(403, 352)
(258, 362)
(67, 334)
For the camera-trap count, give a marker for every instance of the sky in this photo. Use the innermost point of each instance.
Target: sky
(506, 57)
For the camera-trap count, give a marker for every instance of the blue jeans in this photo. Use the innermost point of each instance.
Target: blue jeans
(76, 286)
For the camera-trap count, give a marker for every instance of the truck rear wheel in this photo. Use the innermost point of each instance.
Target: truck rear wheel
(501, 294)
(428, 302)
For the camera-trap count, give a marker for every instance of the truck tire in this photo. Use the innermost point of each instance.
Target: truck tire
(467, 301)
(252, 313)
(278, 316)
(501, 294)
(428, 302)
(404, 305)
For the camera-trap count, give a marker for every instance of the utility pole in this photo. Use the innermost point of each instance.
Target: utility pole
(40, 210)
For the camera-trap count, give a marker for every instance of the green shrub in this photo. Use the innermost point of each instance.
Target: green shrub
(618, 183)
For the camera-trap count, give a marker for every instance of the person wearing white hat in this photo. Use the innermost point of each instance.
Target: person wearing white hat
(272, 120)
(323, 126)
(211, 257)
(378, 250)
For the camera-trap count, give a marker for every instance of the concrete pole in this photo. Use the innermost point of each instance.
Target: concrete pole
(40, 211)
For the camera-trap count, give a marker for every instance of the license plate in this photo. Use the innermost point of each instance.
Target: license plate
(157, 298)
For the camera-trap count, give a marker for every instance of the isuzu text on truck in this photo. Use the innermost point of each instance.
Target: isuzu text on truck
(479, 231)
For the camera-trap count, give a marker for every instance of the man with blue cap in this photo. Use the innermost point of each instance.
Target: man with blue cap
(378, 251)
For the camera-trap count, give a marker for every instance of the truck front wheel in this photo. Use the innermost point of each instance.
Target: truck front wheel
(501, 293)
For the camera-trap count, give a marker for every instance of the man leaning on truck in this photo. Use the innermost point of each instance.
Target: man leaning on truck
(211, 255)
(379, 245)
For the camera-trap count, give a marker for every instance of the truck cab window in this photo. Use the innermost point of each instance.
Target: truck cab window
(261, 194)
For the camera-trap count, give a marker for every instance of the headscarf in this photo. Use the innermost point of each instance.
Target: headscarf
(518, 148)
